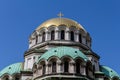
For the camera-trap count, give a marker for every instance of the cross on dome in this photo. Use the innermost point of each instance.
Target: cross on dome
(60, 15)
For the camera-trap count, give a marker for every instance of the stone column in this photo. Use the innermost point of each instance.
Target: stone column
(33, 41)
(49, 68)
(67, 35)
(10, 78)
(39, 38)
(46, 71)
(57, 35)
(72, 67)
(30, 42)
(46, 35)
(84, 39)
(58, 66)
(84, 68)
(76, 37)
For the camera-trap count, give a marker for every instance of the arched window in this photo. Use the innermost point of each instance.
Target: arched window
(43, 37)
(106, 78)
(115, 78)
(89, 69)
(77, 66)
(43, 71)
(66, 66)
(52, 35)
(17, 78)
(53, 67)
(72, 36)
(6, 79)
(86, 41)
(62, 34)
(80, 38)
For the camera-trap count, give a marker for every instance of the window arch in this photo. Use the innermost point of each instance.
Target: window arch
(72, 36)
(43, 68)
(7, 78)
(36, 39)
(106, 78)
(65, 63)
(115, 78)
(77, 67)
(54, 67)
(17, 78)
(66, 66)
(89, 69)
(78, 63)
(52, 35)
(43, 37)
(62, 34)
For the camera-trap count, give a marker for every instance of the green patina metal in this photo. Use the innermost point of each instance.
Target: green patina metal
(109, 72)
(12, 69)
(63, 51)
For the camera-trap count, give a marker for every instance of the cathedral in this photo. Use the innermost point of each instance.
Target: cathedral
(59, 49)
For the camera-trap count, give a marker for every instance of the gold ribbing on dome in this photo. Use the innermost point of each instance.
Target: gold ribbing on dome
(56, 22)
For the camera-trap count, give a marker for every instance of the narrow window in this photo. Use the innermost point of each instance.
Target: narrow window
(52, 35)
(6, 79)
(77, 67)
(72, 36)
(43, 37)
(43, 68)
(16, 78)
(80, 38)
(62, 34)
(36, 39)
(54, 67)
(86, 41)
(66, 66)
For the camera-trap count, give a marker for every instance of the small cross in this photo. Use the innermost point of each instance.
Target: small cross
(60, 15)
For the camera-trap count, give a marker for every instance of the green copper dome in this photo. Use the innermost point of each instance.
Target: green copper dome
(63, 51)
(12, 69)
(109, 72)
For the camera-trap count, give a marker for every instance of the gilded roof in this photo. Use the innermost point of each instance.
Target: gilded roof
(63, 51)
(60, 21)
(12, 69)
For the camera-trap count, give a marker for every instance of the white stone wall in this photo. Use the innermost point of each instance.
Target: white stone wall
(30, 60)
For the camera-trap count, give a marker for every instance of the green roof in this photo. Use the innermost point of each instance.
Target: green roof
(63, 51)
(12, 69)
(108, 71)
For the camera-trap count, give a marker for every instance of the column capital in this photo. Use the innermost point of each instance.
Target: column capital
(57, 30)
(67, 31)
(72, 62)
(59, 62)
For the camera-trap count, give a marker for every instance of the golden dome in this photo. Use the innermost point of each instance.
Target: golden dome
(60, 21)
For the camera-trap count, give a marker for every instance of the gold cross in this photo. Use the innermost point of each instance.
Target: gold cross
(60, 15)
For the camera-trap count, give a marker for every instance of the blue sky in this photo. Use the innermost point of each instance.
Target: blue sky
(19, 18)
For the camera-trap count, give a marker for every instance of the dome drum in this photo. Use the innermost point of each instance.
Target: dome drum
(59, 33)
